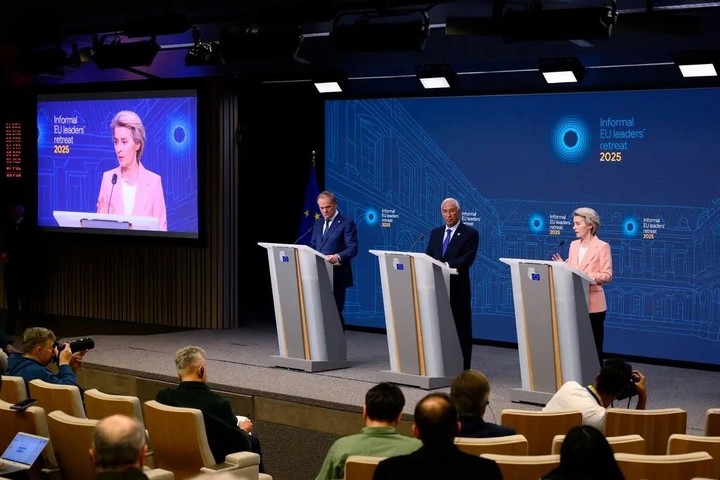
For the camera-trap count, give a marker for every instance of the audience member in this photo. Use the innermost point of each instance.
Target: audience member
(39, 350)
(225, 433)
(436, 426)
(614, 379)
(382, 413)
(470, 392)
(118, 450)
(6, 343)
(586, 455)
(3, 362)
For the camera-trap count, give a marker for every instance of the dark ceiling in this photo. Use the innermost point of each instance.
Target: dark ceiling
(640, 50)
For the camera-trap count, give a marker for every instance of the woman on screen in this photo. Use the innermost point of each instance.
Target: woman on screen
(591, 255)
(130, 188)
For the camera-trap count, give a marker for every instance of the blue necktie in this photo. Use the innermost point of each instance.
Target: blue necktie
(326, 228)
(446, 242)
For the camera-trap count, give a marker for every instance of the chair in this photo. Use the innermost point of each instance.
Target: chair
(53, 397)
(655, 425)
(508, 445)
(361, 467)
(683, 466)
(180, 444)
(524, 467)
(13, 389)
(99, 405)
(621, 444)
(712, 422)
(540, 427)
(681, 443)
(34, 421)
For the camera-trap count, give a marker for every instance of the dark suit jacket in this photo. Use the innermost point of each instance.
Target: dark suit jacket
(342, 239)
(437, 462)
(223, 434)
(474, 427)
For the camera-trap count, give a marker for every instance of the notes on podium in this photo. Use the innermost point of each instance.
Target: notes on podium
(422, 340)
(109, 221)
(555, 339)
(310, 335)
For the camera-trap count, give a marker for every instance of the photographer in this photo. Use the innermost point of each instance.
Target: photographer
(616, 380)
(39, 350)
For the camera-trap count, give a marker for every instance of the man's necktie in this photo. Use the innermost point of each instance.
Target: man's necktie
(446, 242)
(326, 227)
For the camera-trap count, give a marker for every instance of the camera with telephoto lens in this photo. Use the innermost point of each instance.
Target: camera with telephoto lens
(631, 389)
(85, 343)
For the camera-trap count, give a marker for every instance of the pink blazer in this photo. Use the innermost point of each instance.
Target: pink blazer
(597, 264)
(149, 197)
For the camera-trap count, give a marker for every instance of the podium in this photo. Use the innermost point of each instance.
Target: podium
(555, 339)
(310, 335)
(107, 221)
(422, 339)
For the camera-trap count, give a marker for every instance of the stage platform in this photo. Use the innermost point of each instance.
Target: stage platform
(297, 414)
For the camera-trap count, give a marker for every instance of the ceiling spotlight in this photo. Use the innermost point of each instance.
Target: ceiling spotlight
(116, 54)
(202, 52)
(436, 76)
(386, 32)
(698, 64)
(330, 84)
(562, 70)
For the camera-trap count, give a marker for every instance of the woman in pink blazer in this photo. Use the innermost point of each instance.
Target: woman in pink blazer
(130, 188)
(592, 256)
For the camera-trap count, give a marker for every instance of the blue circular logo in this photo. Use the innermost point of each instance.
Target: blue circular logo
(571, 139)
(630, 227)
(536, 223)
(371, 216)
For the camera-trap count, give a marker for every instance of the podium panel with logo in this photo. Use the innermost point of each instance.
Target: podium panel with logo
(310, 335)
(555, 339)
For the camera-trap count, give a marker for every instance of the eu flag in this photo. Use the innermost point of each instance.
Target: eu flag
(310, 211)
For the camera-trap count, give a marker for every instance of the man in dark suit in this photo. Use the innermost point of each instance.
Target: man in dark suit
(470, 392)
(436, 426)
(225, 433)
(336, 237)
(456, 244)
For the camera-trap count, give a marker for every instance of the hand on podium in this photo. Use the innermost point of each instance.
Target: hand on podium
(333, 259)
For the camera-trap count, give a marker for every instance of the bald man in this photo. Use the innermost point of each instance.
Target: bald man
(119, 449)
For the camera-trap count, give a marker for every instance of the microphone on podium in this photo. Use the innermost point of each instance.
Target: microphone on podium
(555, 247)
(304, 234)
(114, 181)
(416, 241)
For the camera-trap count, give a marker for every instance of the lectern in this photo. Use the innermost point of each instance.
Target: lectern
(310, 335)
(422, 339)
(555, 339)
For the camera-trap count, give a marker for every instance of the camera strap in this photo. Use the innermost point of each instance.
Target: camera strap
(595, 394)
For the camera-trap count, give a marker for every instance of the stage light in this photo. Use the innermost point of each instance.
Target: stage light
(436, 76)
(381, 32)
(202, 52)
(239, 41)
(330, 83)
(328, 87)
(698, 64)
(123, 55)
(562, 70)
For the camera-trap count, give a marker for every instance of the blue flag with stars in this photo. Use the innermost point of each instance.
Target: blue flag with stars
(310, 211)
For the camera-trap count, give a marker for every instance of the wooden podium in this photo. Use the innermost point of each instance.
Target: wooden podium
(422, 339)
(555, 339)
(310, 335)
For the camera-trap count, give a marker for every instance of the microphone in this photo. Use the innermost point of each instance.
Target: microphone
(114, 181)
(304, 234)
(416, 241)
(555, 247)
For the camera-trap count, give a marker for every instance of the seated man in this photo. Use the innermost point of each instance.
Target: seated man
(436, 426)
(118, 450)
(470, 392)
(38, 352)
(614, 378)
(382, 413)
(225, 433)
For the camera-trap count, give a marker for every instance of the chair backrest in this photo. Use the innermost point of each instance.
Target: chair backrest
(361, 467)
(712, 422)
(99, 405)
(53, 397)
(540, 427)
(655, 425)
(620, 444)
(682, 443)
(13, 389)
(524, 467)
(72, 437)
(683, 466)
(508, 445)
(178, 438)
(31, 420)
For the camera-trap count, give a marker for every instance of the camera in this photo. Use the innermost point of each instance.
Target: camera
(631, 389)
(85, 343)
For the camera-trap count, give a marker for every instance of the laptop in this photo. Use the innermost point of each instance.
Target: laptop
(22, 452)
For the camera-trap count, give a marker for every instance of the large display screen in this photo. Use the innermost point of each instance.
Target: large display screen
(646, 161)
(121, 163)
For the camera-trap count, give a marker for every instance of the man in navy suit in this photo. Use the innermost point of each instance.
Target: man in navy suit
(456, 244)
(336, 237)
